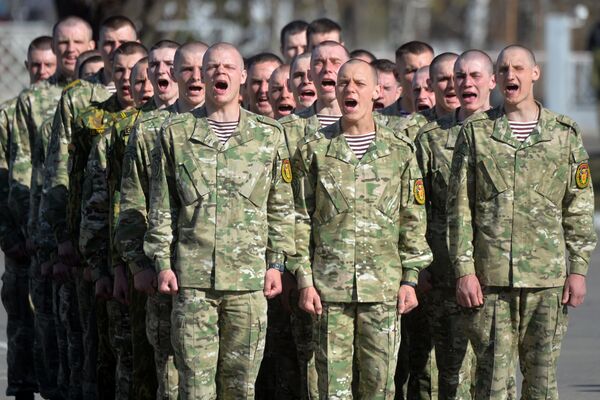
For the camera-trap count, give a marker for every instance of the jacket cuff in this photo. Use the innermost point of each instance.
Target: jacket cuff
(162, 264)
(461, 270)
(275, 258)
(578, 267)
(410, 275)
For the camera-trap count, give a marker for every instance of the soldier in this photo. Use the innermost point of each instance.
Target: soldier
(409, 58)
(441, 81)
(300, 82)
(362, 54)
(260, 68)
(280, 97)
(88, 64)
(293, 40)
(65, 162)
(423, 96)
(227, 175)
(390, 87)
(360, 239)
(321, 30)
(473, 73)
(131, 226)
(526, 172)
(25, 360)
(141, 87)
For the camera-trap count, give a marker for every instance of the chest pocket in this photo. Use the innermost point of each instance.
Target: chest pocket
(190, 183)
(554, 188)
(490, 183)
(330, 200)
(389, 203)
(256, 187)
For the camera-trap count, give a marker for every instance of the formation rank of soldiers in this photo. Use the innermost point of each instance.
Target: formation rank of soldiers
(164, 242)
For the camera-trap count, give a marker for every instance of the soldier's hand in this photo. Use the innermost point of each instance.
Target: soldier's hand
(574, 290)
(167, 282)
(310, 301)
(120, 286)
(288, 286)
(407, 299)
(145, 281)
(272, 286)
(104, 288)
(468, 291)
(46, 268)
(61, 272)
(68, 254)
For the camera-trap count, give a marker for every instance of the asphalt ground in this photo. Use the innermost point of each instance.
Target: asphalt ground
(579, 364)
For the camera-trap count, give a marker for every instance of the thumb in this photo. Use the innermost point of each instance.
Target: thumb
(318, 306)
(174, 286)
(566, 294)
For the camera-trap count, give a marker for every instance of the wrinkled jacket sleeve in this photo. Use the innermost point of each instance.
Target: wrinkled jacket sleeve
(460, 206)
(413, 248)
(578, 212)
(163, 206)
(20, 162)
(132, 223)
(280, 209)
(304, 203)
(94, 232)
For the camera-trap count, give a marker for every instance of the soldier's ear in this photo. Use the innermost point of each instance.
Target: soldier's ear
(376, 92)
(536, 73)
(244, 76)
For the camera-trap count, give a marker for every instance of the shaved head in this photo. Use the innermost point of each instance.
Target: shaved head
(223, 46)
(330, 43)
(71, 21)
(191, 47)
(475, 54)
(526, 50)
(440, 59)
(364, 64)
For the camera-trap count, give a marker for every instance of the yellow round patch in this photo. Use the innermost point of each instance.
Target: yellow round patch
(582, 176)
(286, 171)
(419, 191)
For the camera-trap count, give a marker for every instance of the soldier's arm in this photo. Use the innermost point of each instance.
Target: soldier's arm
(163, 207)
(132, 222)
(578, 209)
(20, 162)
(412, 246)
(304, 203)
(53, 204)
(280, 206)
(94, 231)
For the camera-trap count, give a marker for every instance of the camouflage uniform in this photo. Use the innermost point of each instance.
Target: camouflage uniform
(15, 291)
(129, 239)
(233, 209)
(76, 97)
(513, 208)
(454, 354)
(35, 107)
(98, 129)
(359, 233)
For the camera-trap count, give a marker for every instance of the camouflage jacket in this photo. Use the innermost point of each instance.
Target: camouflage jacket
(393, 117)
(102, 127)
(76, 97)
(514, 206)
(360, 223)
(234, 202)
(435, 145)
(135, 181)
(34, 106)
(9, 229)
(298, 125)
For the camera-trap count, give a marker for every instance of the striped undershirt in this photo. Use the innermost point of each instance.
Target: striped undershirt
(223, 130)
(521, 130)
(360, 143)
(326, 120)
(110, 88)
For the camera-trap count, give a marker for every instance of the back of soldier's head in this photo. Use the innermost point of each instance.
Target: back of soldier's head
(116, 23)
(323, 29)
(363, 54)
(413, 47)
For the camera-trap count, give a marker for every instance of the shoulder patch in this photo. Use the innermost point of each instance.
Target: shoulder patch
(76, 82)
(567, 121)
(582, 175)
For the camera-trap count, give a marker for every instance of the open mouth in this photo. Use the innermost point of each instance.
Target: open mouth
(285, 108)
(126, 89)
(262, 98)
(450, 96)
(422, 107)
(512, 88)
(195, 89)
(163, 84)
(308, 93)
(469, 96)
(350, 105)
(328, 83)
(221, 86)
(146, 98)
(378, 105)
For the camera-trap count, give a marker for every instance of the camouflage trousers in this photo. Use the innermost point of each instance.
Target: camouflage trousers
(143, 385)
(302, 332)
(367, 334)
(86, 298)
(158, 332)
(68, 312)
(46, 359)
(453, 351)
(107, 363)
(417, 370)
(523, 324)
(119, 333)
(219, 339)
(63, 375)
(279, 375)
(19, 328)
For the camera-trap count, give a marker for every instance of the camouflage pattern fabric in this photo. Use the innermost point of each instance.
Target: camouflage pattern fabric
(368, 332)
(68, 311)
